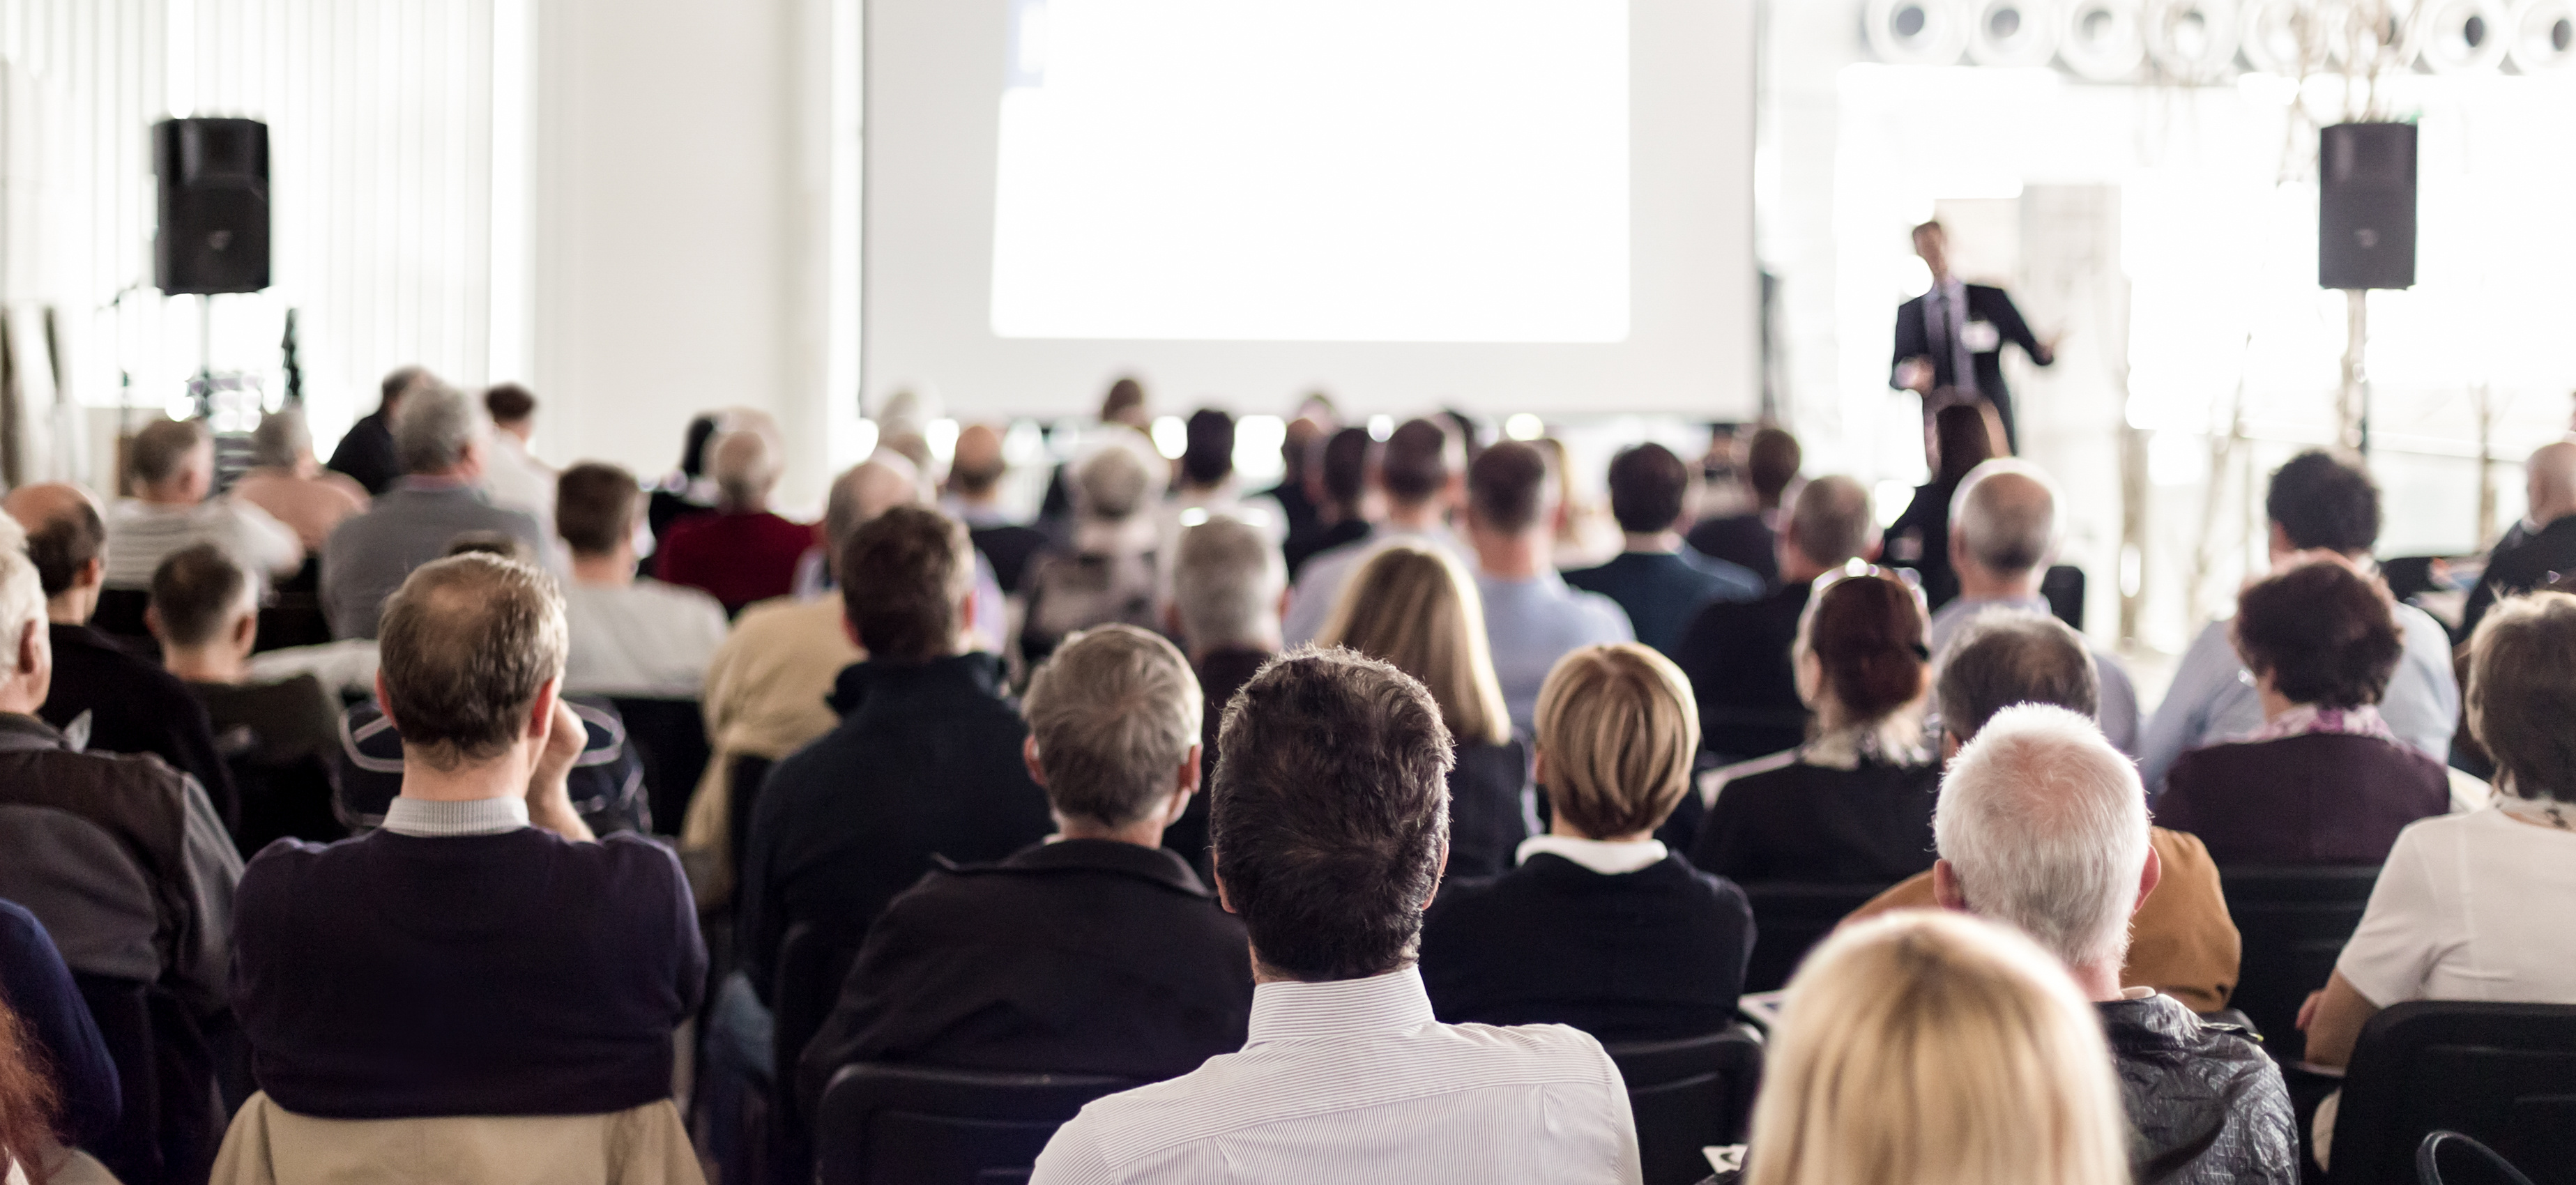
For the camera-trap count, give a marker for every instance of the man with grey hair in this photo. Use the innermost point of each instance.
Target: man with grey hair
(743, 552)
(2043, 825)
(1229, 587)
(1097, 952)
(2003, 535)
(439, 437)
(1737, 652)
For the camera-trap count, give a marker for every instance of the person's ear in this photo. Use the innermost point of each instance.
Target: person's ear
(1434, 894)
(152, 625)
(92, 571)
(1538, 767)
(541, 710)
(1945, 887)
(1172, 620)
(1192, 775)
(384, 702)
(2149, 877)
(246, 631)
(966, 614)
(30, 655)
(1029, 757)
(1959, 557)
(1950, 745)
(1217, 874)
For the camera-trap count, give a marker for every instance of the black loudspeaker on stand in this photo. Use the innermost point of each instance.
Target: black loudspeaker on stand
(2366, 206)
(214, 205)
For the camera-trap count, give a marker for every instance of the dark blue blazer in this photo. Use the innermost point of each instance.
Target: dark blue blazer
(1662, 591)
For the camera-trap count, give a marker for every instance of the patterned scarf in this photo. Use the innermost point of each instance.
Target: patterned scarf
(2305, 719)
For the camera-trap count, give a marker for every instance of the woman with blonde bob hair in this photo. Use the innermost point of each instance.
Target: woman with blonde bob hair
(1416, 609)
(1599, 926)
(1936, 1049)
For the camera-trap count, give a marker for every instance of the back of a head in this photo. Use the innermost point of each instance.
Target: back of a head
(2325, 501)
(163, 448)
(1867, 633)
(402, 381)
(1416, 607)
(466, 644)
(1329, 815)
(744, 466)
(595, 505)
(2325, 635)
(1208, 455)
(1112, 484)
(493, 543)
(1649, 486)
(1297, 445)
(65, 536)
(1226, 581)
(1619, 727)
(1415, 464)
(693, 443)
(2013, 656)
(508, 403)
(22, 591)
(1771, 462)
(2046, 826)
(433, 428)
(1936, 1049)
(1114, 712)
(198, 592)
(2522, 693)
(976, 465)
(1344, 466)
(281, 440)
(2551, 481)
(1124, 404)
(1509, 488)
(1831, 523)
(866, 490)
(1962, 439)
(904, 575)
(2006, 513)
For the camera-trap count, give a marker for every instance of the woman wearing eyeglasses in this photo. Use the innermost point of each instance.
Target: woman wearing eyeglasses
(1854, 804)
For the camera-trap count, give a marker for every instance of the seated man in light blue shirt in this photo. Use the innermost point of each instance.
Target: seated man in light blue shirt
(2318, 502)
(1532, 618)
(1329, 832)
(2003, 535)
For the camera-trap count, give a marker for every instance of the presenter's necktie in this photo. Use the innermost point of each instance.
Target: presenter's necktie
(1954, 324)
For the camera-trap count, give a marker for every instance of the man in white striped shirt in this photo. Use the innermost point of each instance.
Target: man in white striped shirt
(173, 466)
(1329, 828)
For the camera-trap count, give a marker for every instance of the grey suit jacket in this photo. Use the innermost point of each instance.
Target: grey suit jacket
(368, 555)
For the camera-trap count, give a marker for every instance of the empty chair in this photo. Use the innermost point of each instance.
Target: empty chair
(670, 735)
(918, 1125)
(1687, 1095)
(2294, 922)
(1790, 918)
(2504, 1074)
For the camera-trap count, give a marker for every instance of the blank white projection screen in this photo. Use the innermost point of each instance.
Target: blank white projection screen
(1505, 205)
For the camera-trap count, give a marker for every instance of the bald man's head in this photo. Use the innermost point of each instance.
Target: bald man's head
(745, 468)
(1829, 525)
(2551, 478)
(866, 490)
(66, 534)
(976, 469)
(2005, 517)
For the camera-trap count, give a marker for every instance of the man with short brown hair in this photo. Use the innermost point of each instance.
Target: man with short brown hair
(630, 636)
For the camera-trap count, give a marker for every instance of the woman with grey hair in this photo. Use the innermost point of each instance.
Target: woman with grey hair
(291, 486)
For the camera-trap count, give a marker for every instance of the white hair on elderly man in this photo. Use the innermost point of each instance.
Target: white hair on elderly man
(2044, 825)
(22, 591)
(1226, 583)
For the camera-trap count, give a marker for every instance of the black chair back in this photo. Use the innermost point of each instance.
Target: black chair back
(671, 736)
(2504, 1074)
(1789, 919)
(812, 963)
(1688, 1095)
(172, 1121)
(293, 614)
(2294, 922)
(2063, 587)
(2487, 1166)
(917, 1125)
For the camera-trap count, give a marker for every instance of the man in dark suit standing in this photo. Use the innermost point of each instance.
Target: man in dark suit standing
(1952, 337)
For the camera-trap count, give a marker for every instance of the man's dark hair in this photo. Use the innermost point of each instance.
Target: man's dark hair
(1507, 487)
(2325, 501)
(693, 444)
(508, 403)
(2324, 634)
(1771, 462)
(1124, 398)
(1415, 464)
(2013, 657)
(1209, 454)
(595, 506)
(1342, 462)
(902, 576)
(60, 545)
(1329, 817)
(467, 642)
(1648, 485)
(197, 592)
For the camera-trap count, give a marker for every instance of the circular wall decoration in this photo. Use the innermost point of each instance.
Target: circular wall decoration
(2012, 32)
(2194, 40)
(1917, 32)
(2102, 40)
(2463, 36)
(2543, 36)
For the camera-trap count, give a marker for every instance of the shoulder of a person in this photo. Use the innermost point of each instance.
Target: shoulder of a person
(1553, 1049)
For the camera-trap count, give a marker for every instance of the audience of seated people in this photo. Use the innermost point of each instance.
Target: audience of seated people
(1336, 488)
(2003, 532)
(1227, 586)
(2182, 941)
(1854, 805)
(1420, 473)
(367, 453)
(1532, 618)
(278, 736)
(1963, 438)
(1659, 580)
(1414, 606)
(2474, 906)
(171, 475)
(2324, 781)
(1094, 952)
(1597, 925)
(743, 552)
(1328, 827)
(631, 636)
(440, 439)
(291, 486)
(2317, 502)
(1204, 480)
(1769, 459)
(1737, 652)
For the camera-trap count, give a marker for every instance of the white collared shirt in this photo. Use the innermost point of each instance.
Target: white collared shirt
(1601, 856)
(1355, 1081)
(421, 818)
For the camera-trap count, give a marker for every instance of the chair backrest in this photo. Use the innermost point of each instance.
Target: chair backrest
(1687, 1095)
(1789, 919)
(2294, 922)
(671, 737)
(2485, 1164)
(917, 1125)
(812, 963)
(2504, 1074)
(2063, 587)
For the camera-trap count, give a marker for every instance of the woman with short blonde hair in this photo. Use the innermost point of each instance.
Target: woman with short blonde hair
(1598, 926)
(1415, 608)
(1936, 1049)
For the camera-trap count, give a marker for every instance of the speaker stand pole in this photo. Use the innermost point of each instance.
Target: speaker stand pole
(205, 384)
(2353, 412)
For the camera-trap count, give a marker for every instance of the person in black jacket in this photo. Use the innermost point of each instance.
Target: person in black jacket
(366, 451)
(2538, 550)
(1599, 927)
(1098, 953)
(1952, 337)
(1962, 438)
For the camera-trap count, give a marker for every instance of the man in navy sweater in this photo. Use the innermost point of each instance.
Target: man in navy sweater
(481, 954)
